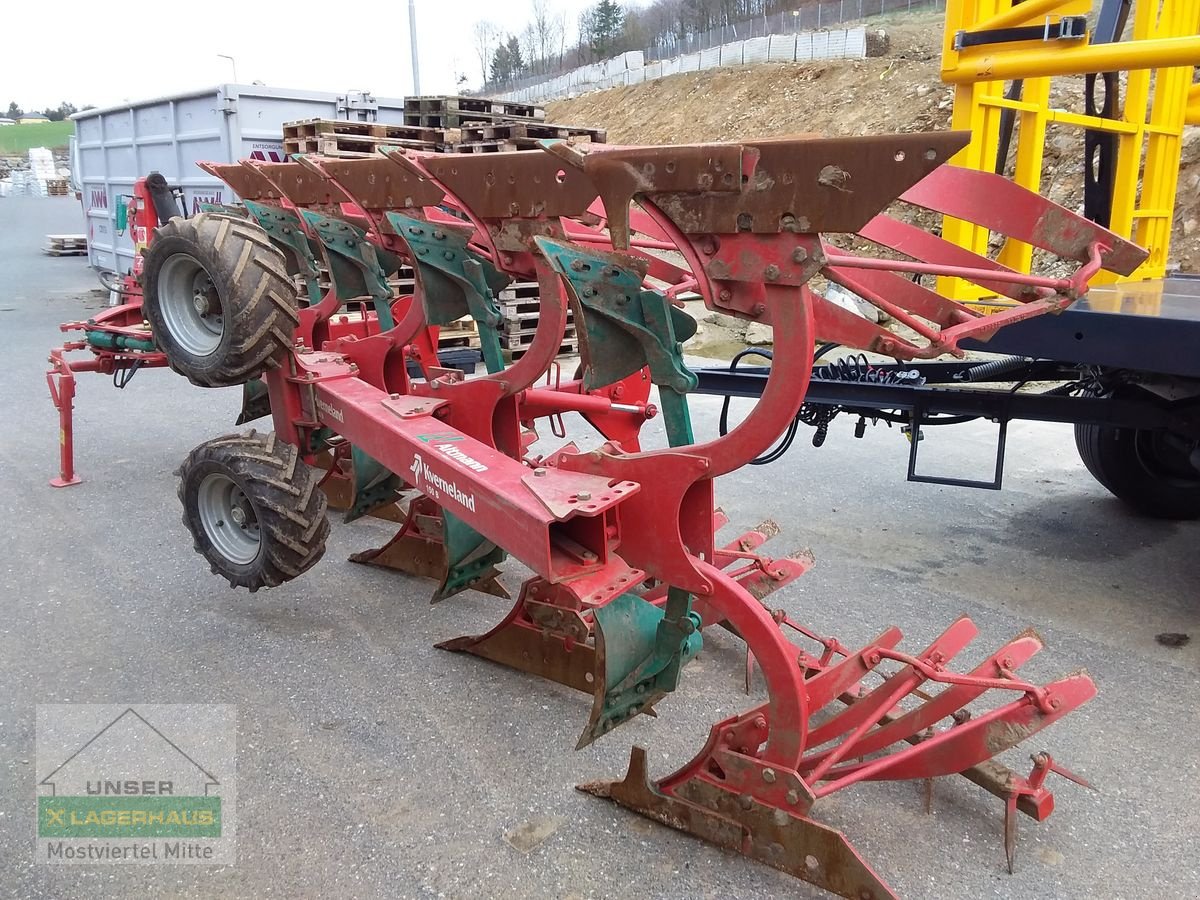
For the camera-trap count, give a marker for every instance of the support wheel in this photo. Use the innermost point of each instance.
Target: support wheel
(254, 509)
(1145, 469)
(219, 299)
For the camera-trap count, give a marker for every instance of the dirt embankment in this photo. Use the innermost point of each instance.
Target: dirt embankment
(897, 92)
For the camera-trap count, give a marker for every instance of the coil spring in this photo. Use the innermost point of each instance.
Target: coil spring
(857, 367)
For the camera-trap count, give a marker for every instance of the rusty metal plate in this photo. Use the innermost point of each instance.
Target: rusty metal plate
(247, 183)
(794, 844)
(524, 184)
(302, 186)
(823, 185)
(380, 184)
(621, 173)
(674, 167)
(529, 650)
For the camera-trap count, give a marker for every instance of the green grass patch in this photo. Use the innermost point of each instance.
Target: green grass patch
(17, 139)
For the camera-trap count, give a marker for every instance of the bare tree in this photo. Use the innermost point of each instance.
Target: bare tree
(541, 32)
(530, 43)
(487, 36)
(559, 36)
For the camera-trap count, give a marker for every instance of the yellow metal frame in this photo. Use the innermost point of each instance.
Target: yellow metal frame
(1158, 100)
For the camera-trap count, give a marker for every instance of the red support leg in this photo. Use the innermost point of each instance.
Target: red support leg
(61, 381)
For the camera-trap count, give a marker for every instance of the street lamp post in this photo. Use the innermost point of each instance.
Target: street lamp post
(232, 62)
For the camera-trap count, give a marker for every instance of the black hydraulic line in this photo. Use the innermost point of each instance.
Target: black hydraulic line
(879, 400)
(1008, 119)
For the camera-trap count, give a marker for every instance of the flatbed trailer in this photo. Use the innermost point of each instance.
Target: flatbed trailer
(1120, 364)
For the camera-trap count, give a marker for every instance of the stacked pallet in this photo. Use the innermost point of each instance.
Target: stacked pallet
(462, 332)
(501, 136)
(456, 112)
(334, 137)
(519, 307)
(66, 245)
(436, 125)
(57, 187)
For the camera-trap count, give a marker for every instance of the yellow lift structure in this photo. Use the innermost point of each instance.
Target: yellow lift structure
(1001, 58)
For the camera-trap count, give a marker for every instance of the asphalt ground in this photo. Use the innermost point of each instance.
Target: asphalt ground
(371, 765)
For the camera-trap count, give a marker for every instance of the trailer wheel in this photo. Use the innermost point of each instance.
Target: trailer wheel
(218, 298)
(1142, 469)
(254, 509)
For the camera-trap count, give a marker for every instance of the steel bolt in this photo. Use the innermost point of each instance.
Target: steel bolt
(584, 495)
(725, 295)
(760, 722)
(539, 472)
(768, 775)
(771, 273)
(759, 308)
(793, 796)
(448, 254)
(577, 265)
(745, 802)
(799, 255)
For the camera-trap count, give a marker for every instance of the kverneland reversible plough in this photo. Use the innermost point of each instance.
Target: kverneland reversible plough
(622, 540)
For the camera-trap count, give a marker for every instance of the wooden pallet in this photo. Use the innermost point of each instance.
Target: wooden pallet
(456, 338)
(536, 131)
(57, 187)
(526, 291)
(525, 312)
(567, 348)
(449, 119)
(523, 337)
(352, 146)
(66, 245)
(306, 128)
(433, 105)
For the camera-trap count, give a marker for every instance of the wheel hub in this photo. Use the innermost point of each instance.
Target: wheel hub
(190, 305)
(228, 519)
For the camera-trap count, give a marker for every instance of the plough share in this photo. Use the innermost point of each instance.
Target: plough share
(622, 540)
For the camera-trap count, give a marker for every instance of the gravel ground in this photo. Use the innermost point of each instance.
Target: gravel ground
(371, 765)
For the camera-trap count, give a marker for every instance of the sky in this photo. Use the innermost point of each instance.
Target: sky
(91, 52)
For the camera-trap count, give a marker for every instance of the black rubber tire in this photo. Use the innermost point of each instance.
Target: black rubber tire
(288, 505)
(1135, 468)
(257, 297)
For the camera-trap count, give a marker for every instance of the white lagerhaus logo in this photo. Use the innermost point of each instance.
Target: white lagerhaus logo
(435, 485)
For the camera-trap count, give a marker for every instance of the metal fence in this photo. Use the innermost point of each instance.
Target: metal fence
(811, 17)
(631, 67)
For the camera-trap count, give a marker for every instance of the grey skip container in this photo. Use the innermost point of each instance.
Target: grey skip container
(115, 146)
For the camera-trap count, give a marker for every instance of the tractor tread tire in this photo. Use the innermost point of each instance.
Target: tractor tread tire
(1110, 454)
(258, 297)
(288, 503)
